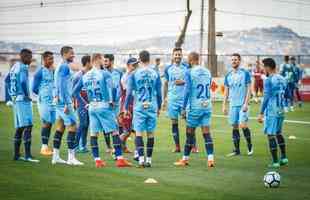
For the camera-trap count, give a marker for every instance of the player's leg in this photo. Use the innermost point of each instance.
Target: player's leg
(107, 138)
(291, 87)
(299, 100)
(244, 117)
(120, 161)
(71, 143)
(140, 126)
(17, 142)
(45, 135)
(189, 143)
(234, 121)
(281, 142)
(60, 129)
(205, 127)
(149, 149)
(173, 112)
(270, 129)
(81, 135)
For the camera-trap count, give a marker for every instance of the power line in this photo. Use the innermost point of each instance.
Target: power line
(41, 4)
(92, 18)
(293, 2)
(262, 16)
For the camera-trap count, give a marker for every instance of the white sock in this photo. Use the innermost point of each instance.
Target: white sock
(44, 146)
(148, 159)
(98, 158)
(141, 159)
(119, 157)
(136, 154)
(211, 157)
(71, 154)
(185, 157)
(56, 152)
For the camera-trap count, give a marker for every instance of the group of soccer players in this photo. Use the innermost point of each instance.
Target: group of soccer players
(116, 104)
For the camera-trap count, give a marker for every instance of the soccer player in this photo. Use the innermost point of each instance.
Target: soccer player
(174, 91)
(257, 74)
(272, 112)
(99, 88)
(146, 84)
(116, 93)
(65, 116)
(297, 79)
(287, 72)
(43, 87)
(17, 84)
(197, 108)
(81, 102)
(237, 89)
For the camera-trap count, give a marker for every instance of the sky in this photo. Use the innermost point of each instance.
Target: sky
(112, 22)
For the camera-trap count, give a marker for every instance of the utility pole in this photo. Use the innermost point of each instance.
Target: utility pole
(201, 29)
(212, 57)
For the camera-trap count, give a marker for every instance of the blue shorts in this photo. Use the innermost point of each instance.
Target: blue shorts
(47, 113)
(144, 120)
(273, 125)
(237, 116)
(82, 114)
(196, 118)
(102, 120)
(174, 110)
(68, 118)
(22, 114)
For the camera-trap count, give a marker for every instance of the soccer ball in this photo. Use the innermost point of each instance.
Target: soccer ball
(272, 179)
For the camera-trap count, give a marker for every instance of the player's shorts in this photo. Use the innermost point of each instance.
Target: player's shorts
(47, 113)
(144, 120)
(273, 125)
(102, 119)
(22, 114)
(237, 116)
(196, 118)
(174, 110)
(68, 118)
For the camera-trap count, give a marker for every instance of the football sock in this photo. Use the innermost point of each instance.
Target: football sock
(17, 141)
(208, 143)
(94, 146)
(27, 142)
(117, 145)
(281, 143)
(107, 140)
(57, 139)
(45, 134)
(247, 135)
(175, 133)
(236, 140)
(140, 146)
(149, 147)
(194, 144)
(188, 144)
(273, 148)
(71, 139)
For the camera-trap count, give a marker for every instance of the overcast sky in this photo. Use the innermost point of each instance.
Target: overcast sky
(113, 28)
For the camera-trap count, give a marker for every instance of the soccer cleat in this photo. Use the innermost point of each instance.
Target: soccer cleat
(100, 163)
(57, 159)
(195, 150)
(141, 165)
(126, 150)
(181, 163)
(30, 159)
(74, 161)
(45, 151)
(250, 153)
(284, 161)
(234, 153)
(211, 163)
(122, 163)
(18, 158)
(83, 150)
(147, 165)
(274, 165)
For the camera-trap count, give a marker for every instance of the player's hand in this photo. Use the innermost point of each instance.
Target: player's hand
(179, 82)
(183, 114)
(66, 110)
(9, 103)
(260, 118)
(245, 108)
(224, 110)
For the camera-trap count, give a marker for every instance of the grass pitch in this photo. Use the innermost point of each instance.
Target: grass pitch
(232, 178)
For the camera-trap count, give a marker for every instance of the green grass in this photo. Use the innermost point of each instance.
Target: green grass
(233, 178)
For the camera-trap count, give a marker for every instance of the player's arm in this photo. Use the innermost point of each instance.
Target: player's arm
(24, 83)
(78, 80)
(7, 86)
(267, 95)
(37, 81)
(111, 87)
(129, 90)
(64, 72)
(187, 92)
(226, 94)
(159, 93)
(248, 91)
(77, 87)
(166, 76)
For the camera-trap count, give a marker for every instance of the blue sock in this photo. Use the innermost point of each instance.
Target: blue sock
(189, 143)
(273, 148)
(140, 145)
(27, 142)
(208, 143)
(94, 146)
(84, 137)
(71, 140)
(57, 139)
(149, 147)
(175, 133)
(17, 142)
(247, 135)
(117, 145)
(107, 140)
(45, 134)
(281, 143)
(236, 140)
(78, 136)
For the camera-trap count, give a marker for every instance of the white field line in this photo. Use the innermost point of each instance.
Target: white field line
(287, 121)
